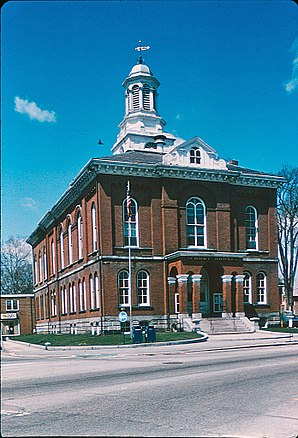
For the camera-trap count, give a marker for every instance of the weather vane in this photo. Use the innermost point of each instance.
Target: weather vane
(140, 49)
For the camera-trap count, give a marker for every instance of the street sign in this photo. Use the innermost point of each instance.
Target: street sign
(122, 316)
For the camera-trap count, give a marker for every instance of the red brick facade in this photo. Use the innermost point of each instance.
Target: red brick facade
(162, 252)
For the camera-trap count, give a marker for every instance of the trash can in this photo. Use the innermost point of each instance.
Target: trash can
(151, 333)
(137, 335)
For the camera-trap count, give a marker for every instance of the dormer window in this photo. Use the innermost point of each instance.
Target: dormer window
(195, 156)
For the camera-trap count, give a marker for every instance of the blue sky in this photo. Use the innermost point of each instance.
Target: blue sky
(227, 70)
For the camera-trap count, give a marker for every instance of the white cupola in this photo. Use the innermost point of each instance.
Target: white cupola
(142, 127)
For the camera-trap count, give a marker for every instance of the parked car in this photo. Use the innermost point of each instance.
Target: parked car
(284, 318)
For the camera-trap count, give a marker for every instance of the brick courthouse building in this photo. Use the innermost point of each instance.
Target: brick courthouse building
(204, 231)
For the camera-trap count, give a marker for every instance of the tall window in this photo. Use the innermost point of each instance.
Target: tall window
(53, 303)
(41, 307)
(94, 228)
(123, 288)
(261, 288)
(69, 234)
(72, 298)
(80, 235)
(53, 257)
(96, 285)
(92, 293)
(39, 266)
(131, 224)
(251, 227)
(143, 288)
(196, 223)
(195, 156)
(82, 295)
(36, 270)
(64, 301)
(247, 295)
(45, 263)
(61, 249)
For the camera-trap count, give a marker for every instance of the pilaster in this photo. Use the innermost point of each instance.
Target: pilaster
(226, 294)
(182, 290)
(239, 295)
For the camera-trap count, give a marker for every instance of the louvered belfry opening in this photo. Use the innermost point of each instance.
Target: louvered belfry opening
(146, 97)
(135, 98)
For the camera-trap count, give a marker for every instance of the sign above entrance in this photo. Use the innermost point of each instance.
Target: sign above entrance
(8, 315)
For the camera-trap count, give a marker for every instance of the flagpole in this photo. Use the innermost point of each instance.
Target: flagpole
(129, 257)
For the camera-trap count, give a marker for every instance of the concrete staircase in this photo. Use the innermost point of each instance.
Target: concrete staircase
(214, 326)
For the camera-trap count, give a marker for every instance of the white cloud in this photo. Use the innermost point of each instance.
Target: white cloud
(292, 83)
(178, 117)
(29, 203)
(33, 111)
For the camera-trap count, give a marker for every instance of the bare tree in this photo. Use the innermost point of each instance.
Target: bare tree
(16, 267)
(287, 215)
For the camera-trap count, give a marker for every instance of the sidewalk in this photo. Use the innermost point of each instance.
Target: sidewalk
(213, 342)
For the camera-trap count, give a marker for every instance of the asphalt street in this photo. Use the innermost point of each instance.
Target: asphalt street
(212, 389)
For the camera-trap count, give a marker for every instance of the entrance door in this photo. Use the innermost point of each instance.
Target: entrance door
(204, 295)
(217, 303)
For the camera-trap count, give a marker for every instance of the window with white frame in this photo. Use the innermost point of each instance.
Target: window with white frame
(195, 223)
(123, 288)
(61, 249)
(69, 235)
(130, 222)
(92, 292)
(143, 288)
(40, 266)
(36, 270)
(53, 257)
(12, 305)
(64, 301)
(176, 303)
(53, 303)
(247, 293)
(82, 295)
(195, 156)
(41, 307)
(80, 235)
(72, 298)
(251, 227)
(94, 228)
(96, 285)
(261, 288)
(45, 264)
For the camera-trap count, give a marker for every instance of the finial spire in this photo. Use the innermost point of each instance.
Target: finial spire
(141, 49)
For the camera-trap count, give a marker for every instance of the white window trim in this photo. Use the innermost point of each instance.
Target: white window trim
(265, 301)
(94, 228)
(147, 303)
(127, 222)
(80, 236)
(13, 308)
(204, 246)
(70, 253)
(118, 282)
(256, 228)
(249, 287)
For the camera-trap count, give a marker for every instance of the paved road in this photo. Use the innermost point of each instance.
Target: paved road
(159, 391)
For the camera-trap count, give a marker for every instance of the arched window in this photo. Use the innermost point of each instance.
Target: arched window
(123, 288)
(39, 266)
(61, 248)
(53, 257)
(82, 295)
(195, 156)
(53, 303)
(35, 270)
(45, 266)
(94, 228)
(72, 298)
(135, 98)
(92, 293)
(247, 292)
(80, 235)
(146, 97)
(96, 286)
(143, 288)
(251, 227)
(69, 235)
(130, 223)
(261, 288)
(195, 223)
